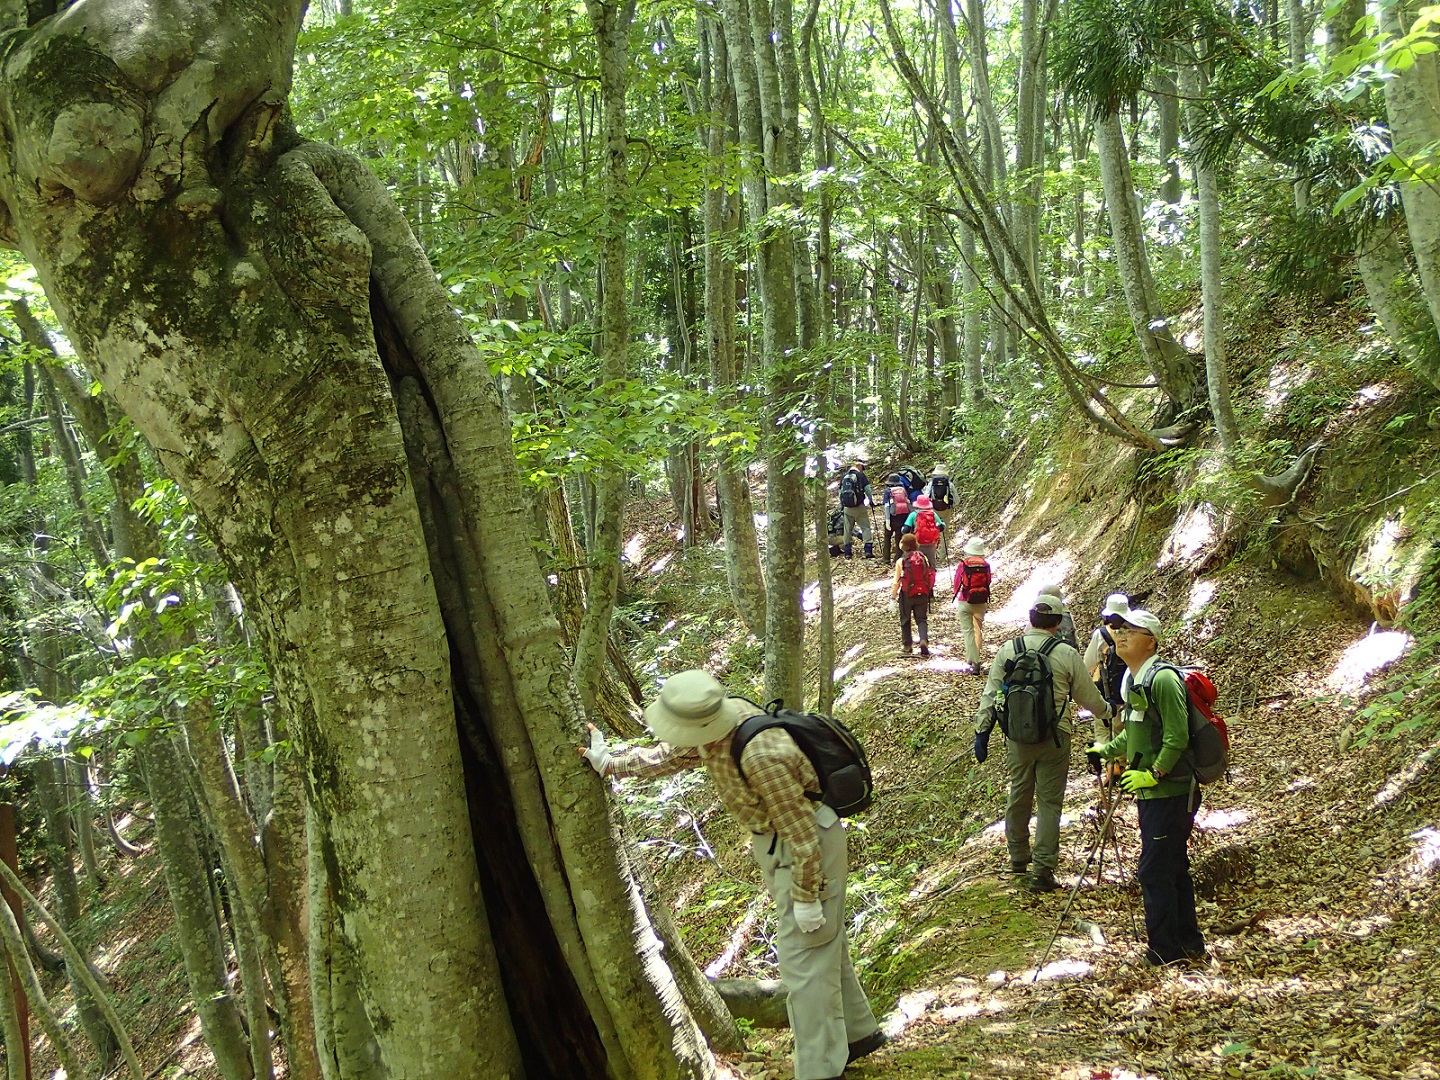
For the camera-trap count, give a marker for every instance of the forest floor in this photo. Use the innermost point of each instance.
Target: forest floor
(1318, 862)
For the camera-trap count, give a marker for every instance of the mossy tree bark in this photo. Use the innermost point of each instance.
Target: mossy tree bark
(256, 304)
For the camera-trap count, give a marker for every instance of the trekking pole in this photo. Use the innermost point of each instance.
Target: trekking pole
(1099, 841)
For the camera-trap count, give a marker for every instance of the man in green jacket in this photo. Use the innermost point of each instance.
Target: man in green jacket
(1165, 793)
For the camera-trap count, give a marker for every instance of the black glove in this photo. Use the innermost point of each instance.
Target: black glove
(1093, 760)
(982, 745)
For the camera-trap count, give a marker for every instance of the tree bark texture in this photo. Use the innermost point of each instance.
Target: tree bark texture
(1412, 103)
(258, 307)
(1162, 354)
(732, 487)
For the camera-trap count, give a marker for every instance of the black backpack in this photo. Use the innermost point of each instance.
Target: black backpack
(851, 488)
(1112, 670)
(912, 479)
(845, 782)
(940, 492)
(1027, 714)
(836, 522)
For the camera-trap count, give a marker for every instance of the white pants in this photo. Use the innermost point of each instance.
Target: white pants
(828, 1009)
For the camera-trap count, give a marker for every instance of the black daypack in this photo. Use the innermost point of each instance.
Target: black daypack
(940, 492)
(1028, 714)
(846, 785)
(911, 477)
(851, 488)
(1112, 669)
(1208, 756)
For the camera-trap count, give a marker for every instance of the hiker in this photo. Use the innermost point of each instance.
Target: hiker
(836, 525)
(1166, 806)
(910, 593)
(856, 500)
(1101, 659)
(913, 481)
(1039, 672)
(799, 845)
(927, 527)
(897, 508)
(971, 598)
(942, 498)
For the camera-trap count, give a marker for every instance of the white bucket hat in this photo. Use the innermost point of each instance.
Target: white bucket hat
(693, 709)
(939, 470)
(974, 546)
(1048, 604)
(1117, 603)
(1144, 620)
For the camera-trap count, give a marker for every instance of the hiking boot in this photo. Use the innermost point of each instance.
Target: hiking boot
(924, 649)
(1018, 867)
(904, 654)
(869, 551)
(1042, 881)
(849, 551)
(868, 1045)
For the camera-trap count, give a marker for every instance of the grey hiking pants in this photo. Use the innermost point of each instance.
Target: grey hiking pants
(1037, 782)
(917, 607)
(828, 1009)
(857, 517)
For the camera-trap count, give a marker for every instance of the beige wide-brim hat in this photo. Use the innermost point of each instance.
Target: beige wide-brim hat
(693, 709)
(974, 546)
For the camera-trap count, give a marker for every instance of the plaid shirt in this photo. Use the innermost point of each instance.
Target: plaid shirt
(771, 798)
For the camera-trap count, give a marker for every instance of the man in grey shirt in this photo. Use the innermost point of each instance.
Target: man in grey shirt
(1038, 772)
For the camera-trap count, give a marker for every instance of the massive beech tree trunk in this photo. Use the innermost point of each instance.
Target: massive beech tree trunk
(258, 307)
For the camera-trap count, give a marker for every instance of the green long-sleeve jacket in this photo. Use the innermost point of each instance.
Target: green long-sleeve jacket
(1137, 740)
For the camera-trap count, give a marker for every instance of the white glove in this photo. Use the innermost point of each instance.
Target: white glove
(809, 915)
(894, 605)
(599, 753)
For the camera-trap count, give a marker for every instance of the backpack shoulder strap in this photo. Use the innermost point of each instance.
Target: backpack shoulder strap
(747, 730)
(1049, 646)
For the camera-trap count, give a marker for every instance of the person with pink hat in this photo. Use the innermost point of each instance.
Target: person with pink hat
(927, 526)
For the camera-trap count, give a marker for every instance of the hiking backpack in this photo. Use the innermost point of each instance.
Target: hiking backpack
(1207, 758)
(1028, 714)
(917, 576)
(974, 574)
(927, 531)
(837, 522)
(852, 487)
(1066, 632)
(846, 785)
(912, 480)
(899, 501)
(940, 492)
(1112, 669)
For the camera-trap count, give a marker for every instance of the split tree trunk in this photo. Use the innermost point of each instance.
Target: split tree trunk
(211, 266)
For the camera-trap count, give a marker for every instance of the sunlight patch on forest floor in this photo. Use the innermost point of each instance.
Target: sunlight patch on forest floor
(1364, 657)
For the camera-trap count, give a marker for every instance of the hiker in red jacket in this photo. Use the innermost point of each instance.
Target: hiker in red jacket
(910, 593)
(972, 598)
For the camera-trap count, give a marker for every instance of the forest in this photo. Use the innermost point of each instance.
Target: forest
(392, 392)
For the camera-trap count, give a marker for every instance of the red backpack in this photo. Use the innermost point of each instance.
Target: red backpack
(926, 531)
(972, 580)
(917, 576)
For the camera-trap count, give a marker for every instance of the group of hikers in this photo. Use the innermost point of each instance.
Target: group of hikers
(778, 777)
(914, 523)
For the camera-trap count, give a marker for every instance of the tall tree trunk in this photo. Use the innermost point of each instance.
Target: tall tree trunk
(1167, 103)
(732, 487)
(1412, 102)
(611, 22)
(1217, 377)
(1162, 354)
(214, 264)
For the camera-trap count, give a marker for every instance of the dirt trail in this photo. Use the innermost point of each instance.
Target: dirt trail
(1319, 870)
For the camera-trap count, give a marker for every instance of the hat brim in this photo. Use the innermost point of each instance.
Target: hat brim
(973, 547)
(1114, 609)
(683, 731)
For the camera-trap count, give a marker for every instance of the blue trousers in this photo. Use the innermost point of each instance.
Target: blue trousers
(1164, 875)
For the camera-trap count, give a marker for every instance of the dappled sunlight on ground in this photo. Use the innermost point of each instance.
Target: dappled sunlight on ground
(1048, 571)
(1369, 654)
(1398, 783)
(739, 938)
(1426, 856)
(1219, 820)
(635, 549)
(863, 684)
